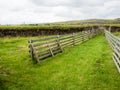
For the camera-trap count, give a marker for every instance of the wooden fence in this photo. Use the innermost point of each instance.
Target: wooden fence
(114, 42)
(46, 47)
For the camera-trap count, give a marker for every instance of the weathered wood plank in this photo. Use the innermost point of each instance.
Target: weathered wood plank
(117, 58)
(43, 52)
(41, 47)
(44, 56)
(45, 38)
(114, 59)
(66, 37)
(66, 40)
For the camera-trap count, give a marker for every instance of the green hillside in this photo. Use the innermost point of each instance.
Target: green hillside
(89, 21)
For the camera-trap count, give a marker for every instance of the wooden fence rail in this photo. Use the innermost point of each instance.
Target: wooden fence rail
(114, 42)
(45, 47)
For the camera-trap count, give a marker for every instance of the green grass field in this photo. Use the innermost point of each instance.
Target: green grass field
(88, 66)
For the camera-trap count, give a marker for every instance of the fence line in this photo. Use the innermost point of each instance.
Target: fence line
(46, 47)
(114, 42)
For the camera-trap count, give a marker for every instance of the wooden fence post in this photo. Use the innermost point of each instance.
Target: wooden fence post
(73, 37)
(58, 41)
(92, 33)
(88, 34)
(109, 29)
(49, 48)
(82, 36)
(31, 49)
(97, 31)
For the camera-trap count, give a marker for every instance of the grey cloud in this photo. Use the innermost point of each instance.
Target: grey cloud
(39, 11)
(68, 3)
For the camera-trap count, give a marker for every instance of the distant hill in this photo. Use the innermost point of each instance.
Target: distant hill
(89, 21)
(79, 22)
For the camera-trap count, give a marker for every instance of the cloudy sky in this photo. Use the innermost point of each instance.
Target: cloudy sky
(42, 11)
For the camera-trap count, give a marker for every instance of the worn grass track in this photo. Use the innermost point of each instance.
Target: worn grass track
(87, 66)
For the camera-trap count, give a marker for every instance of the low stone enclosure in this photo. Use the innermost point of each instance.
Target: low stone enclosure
(32, 31)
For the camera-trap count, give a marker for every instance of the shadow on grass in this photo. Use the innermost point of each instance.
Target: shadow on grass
(34, 61)
(2, 85)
